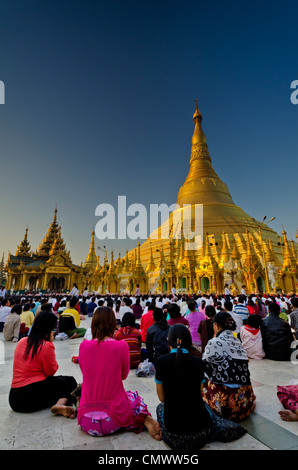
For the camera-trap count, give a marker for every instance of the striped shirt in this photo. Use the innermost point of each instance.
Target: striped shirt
(241, 310)
(132, 336)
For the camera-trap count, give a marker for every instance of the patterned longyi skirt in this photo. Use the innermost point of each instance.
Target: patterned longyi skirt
(227, 402)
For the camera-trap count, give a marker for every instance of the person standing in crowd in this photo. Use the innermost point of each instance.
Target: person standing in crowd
(138, 290)
(227, 291)
(74, 291)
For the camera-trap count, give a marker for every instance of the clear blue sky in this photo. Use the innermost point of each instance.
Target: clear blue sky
(99, 103)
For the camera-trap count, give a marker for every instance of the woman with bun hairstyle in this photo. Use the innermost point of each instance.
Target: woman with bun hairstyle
(186, 423)
(227, 388)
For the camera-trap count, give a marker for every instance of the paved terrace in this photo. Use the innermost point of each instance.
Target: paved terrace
(43, 431)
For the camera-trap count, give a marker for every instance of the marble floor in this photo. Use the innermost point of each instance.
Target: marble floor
(43, 431)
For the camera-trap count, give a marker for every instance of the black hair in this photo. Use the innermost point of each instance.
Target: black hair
(73, 301)
(210, 311)
(46, 308)
(40, 332)
(17, 309)
(274, 308)
(225, 321)
(255, 321)
(294, 302)
(158, 314)
(192, 305)
(228, 305)
(128, 319)
(173, 310)
(179, 338)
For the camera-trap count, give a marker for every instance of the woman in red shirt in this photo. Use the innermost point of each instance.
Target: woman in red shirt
(34, 384)
(253, 309)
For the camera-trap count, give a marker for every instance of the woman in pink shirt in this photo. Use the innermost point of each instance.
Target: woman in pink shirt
(105, 406)
(194, 319)
(34, 383)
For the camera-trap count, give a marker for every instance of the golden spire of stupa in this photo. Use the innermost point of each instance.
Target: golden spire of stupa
(150, 266)
(235, 253)
(224, 255)
(112, 269)
(181, 260)
(118, 264)
(91, 260)
(126, 263)
(202, 184)
(288, 256)
(161, 262)
(269, 255)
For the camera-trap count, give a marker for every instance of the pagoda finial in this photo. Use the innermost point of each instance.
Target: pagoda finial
(198, 135)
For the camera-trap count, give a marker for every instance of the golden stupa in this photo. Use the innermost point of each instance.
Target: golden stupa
(236, 249)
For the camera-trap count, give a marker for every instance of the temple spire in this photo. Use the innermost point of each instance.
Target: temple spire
(202, 184)
(198, 135)
(24, 248)
(50, 237)
(91, 260)
(288, 256)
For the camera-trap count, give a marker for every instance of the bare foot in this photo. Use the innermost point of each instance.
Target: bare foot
(153, 428)
(62, 409)
(75, 335)
(288, 415)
